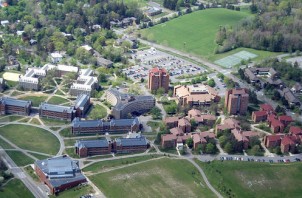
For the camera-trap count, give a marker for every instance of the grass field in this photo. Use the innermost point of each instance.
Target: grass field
(15, 189)
(53, 122)
(66, 132)
(5, 145)
(246, 179)
(35, 121)
(40, 157)
(57, 100)
(99, 166)
(19, 158)
(70, 152)
(157, 178)
(194, 33)
(10, 118)
(31, 138)
(36, 100)
(97, 112)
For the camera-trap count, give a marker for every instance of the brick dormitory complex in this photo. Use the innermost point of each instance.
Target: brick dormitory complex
(236, 101)
(84, 84)
(158, 78)
(198, 94)
(132, 143)
(80, 127)
(59, 173)
(14, 106)
(125, 104)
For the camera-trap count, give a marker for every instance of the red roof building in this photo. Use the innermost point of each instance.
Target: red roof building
(294, 130)
(171, 122)
(259, 116)
(286, 120)
(267, 107)
(276, 126)
(271, 141)
(158, 78)
(287, 144)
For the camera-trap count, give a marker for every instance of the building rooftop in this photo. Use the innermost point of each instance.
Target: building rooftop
(176, 131)
(95, 123)
(141, 141)
(15, 102)
(56, 108)
(266, 107)
(81, 101)
(91, 143)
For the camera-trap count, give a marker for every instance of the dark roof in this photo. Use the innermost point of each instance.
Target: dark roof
(91, 143)
(95, 123)
(81, 101)
(289, 96)
(15, 102)
(56, 108)
(60, 170)
(141, 141)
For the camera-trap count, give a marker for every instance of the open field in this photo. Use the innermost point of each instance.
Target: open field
(99, 166)
(246, 179)
(194, 33)
(57, 100)
(97, 112)
(53, 122)
(5, 145)
(31, 138)
(10, 118)
(15, 189)
(35, 121)
(157, 178)
(19, 158)
(36, 100)
(40, 157)
(70, 152)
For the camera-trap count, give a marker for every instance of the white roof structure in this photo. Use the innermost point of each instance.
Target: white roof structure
(87, 47)
(56, 55)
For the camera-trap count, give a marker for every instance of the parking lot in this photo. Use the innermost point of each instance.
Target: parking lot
(147, 59)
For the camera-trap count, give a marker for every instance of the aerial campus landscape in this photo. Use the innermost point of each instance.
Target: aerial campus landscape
(142, 98)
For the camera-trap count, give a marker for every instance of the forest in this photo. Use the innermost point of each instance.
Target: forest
(276, 26)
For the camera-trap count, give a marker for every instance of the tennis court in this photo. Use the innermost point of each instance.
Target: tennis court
(235, 59)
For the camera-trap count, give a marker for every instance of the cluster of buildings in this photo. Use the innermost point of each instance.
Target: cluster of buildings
(195, 95)
(85, 127)
(123, 23)
(268, 76)
(180, 130)
(59, 173)
(127, 104)
(287, 142)
(24, 107)
(152, 11)
(242, 137)
(134, 142)
(84, 84)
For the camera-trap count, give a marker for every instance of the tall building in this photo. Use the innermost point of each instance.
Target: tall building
(158, 77)
(236, 101)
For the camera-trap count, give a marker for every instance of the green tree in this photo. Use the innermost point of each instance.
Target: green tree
(210, 148)
(211, 82)
(228, 147)
(189, 142)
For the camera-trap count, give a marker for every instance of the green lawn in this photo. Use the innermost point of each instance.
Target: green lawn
(59, 92)
(5, 145)
(15, 189)
(97, 112)
(66, 132)
(157, 178)
(71, 152)
(52, 122)
(35, 121)
(194, 33)
(11, 118)
(38, 156)
(251, 179)
(36, 100)
(153, 125)
(19, 158)
(98, 166)
(57, 100)
(31, 138)
(32, 173)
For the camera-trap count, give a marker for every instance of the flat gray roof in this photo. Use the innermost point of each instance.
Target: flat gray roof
(141, 141)
(56, 108)
(91, 143)
(81, 100)
(15, 102)
(96, 123)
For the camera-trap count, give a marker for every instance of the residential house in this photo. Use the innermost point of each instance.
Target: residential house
(171, 122)
(55, 57)
(243, 137)
(185, 125)
(202, 138)
(272, 141)
(297, 88)
(259, 116)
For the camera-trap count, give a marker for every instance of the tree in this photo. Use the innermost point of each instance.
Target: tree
(210, 148)
(194, 124)
(228, 147)
(211, 82)
(254, 141)
(189, 142)
(256, 150)
(156, 113)
(160, 91)
(102, 77)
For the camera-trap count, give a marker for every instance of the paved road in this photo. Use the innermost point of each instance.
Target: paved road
(20, 174)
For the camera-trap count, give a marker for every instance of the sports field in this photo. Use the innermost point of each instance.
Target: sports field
(252, 179)
(11, 76)
(235, 59)
(194, 33)
(31, 138)
(157, 178)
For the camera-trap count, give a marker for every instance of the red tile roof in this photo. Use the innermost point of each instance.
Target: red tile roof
(266, 107)
(168, 137)
(260, 113)
(287, 141)
(286, 118)
(171, 119)
(295, 130)
(157, 70)
(273, 138)
(276, 123)
(176, 131)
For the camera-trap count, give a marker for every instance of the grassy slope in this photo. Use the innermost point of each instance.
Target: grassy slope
(15, 189)
(36, 100)
(158, 178)
(31, 138)
(246, 179)
(97, 112)
(57, 100)
(197, 30)
(19, 158)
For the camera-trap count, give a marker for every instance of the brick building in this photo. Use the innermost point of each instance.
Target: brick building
(79, 127)
(171, 122)
(84, 148)
(14, 106)
(206, 119)
(56, 111)
(59, 173)
(130, 144)
(158, 78)
(236, 101)
(82, 105)
(185, 125)
(202, 138)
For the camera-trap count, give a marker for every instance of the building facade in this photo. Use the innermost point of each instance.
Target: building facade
(82, 105)
(14, 106)
(236, 101)
(56, 111)
(158, 78)
(84, 148)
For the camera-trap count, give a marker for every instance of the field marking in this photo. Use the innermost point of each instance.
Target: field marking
(235, 59)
